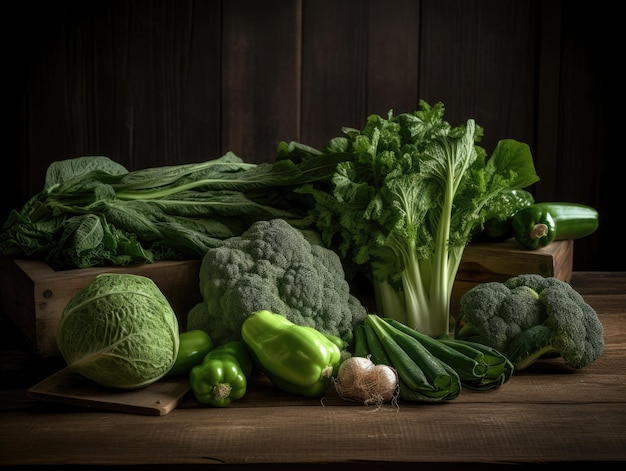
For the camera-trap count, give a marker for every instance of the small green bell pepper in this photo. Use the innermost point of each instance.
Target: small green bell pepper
(499, 226)
(539, 224)
(534, 227)
(193, 347)
(297, 359)
(223, 375)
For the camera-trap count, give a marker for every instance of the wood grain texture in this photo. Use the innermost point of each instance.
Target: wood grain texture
(478, 57)
(588, 99)
(261, 77)
(69, 387)
(334, 53)
(393, 57)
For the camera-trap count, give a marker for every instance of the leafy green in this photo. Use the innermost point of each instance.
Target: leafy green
(499, 227)
(92, 212)
(406, 203)
(119, 331)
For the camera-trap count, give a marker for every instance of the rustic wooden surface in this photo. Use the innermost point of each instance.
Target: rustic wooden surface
(545, 415)
(70, 387)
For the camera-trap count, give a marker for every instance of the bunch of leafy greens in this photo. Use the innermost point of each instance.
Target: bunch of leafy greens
(93, 212)
(406, 203)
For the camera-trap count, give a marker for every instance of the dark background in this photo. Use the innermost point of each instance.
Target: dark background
(151, 83)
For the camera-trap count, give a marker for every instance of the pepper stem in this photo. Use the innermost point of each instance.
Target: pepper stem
(221, 391)
(538, 231)
(327, 372)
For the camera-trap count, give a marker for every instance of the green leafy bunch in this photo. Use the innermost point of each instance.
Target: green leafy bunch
(404, 206)
(93, 212)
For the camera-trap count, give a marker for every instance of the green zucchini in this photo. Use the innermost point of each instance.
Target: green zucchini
(360, 341)
(540, 224)
(422, 376)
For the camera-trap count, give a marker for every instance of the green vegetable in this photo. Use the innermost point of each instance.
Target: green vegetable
(119, 331)
(406, 204)
(277, 267)
(478, 366)
(223, 375)
(529, 317)
(341, 344)
(193, 347)
(499, 227)
(423, 377)
(297, 359)
(372, 344)
(375, 347)
(360, 341)
(93, 212)
(499, 367)
(467, 367)
(542, 223)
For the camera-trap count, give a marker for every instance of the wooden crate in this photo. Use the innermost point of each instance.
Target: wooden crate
(33, 295)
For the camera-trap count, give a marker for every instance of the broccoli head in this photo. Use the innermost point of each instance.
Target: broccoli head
(279, 268)
(529, 317)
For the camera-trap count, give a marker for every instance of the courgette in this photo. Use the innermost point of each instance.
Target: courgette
(422, 376)
(540, 224)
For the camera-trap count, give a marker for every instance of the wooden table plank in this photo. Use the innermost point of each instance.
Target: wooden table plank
(457, 432)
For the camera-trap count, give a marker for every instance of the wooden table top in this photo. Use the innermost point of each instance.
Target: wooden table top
(543, 415)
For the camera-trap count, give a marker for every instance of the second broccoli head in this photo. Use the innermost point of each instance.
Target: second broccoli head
(529, 317)
(276, 267)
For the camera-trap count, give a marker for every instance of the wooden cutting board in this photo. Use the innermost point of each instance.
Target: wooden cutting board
(69, 387)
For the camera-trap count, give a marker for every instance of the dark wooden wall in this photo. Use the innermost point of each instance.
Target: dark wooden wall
(161, 82)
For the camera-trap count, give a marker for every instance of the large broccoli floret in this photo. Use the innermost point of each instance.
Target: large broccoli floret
(276, 267)
(529, 317)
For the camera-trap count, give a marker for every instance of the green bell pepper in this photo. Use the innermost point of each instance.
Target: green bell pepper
(540, 224)
(193, 347)
(297, 359)
(499, 227)
(534, 227)
(223, 375)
